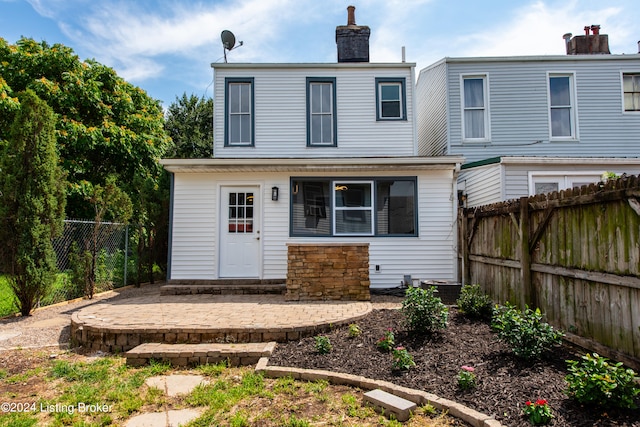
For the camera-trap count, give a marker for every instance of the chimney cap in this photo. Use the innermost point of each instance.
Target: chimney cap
(351, 15)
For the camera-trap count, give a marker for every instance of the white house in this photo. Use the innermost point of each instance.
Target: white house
(533, 124)
(314, 153)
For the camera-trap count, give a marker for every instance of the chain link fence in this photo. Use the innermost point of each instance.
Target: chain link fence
(107, 240)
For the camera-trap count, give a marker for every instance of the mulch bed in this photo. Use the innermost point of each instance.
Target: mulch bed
(505, 382)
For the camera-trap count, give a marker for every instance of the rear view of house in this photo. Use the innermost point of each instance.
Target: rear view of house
(314, 154)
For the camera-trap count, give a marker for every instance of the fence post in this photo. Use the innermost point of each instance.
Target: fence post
(527, 295)
(126, 253)
(464, 247)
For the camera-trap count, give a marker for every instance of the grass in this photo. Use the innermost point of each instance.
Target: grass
(57, 293)
(233, 396)
(7, 305)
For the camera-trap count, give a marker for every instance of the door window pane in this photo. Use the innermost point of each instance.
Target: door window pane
(240, 212)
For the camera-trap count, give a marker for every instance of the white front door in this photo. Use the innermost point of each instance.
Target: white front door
(240, 232)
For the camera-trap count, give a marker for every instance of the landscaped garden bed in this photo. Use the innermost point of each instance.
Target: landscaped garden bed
(503, 381)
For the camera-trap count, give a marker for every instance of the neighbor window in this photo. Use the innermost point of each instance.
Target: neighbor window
(346, 207)
(475, 111)
(561, 107)
(631, 89)
(239, 112)
(321, 107)
(390, 99)
(541, 183)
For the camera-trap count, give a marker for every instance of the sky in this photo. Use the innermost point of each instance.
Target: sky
(166, 47)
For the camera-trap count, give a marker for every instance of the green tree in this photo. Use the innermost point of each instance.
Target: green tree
(105, 127)
(32, 201)
(189, 123)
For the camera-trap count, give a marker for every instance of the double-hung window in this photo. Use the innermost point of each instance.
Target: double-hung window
(562, 114)
(391, 99)
(475, 112)
(321, 112)
(353, 207)
(239, 112)
(631, 91)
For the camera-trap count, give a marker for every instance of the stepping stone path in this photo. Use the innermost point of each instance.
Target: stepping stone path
(172, 385)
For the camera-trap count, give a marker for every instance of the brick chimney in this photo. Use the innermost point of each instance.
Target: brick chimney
(352, 40)
(589, 44)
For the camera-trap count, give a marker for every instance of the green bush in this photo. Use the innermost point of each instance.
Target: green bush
(323, 345)
(524, 331)
(423, 311)
(596, 381)
(474, 303)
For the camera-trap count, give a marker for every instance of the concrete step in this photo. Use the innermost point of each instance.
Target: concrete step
(199, 354)
(390, 404)
(224, 288)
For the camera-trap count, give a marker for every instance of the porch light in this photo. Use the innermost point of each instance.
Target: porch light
(274, 194)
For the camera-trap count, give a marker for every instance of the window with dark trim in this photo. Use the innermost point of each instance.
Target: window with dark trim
(391, 101)
(239, 112)
(322, 130)
(353, 207)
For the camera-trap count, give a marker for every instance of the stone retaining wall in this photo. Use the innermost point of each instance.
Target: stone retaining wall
(328, 271)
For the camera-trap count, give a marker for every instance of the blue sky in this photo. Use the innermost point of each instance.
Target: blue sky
(166, 47)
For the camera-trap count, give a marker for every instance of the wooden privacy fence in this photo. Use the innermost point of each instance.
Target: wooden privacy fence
(574, 254)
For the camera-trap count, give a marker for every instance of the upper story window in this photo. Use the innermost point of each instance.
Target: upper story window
(346, 207)
(391, 99)
(475, 115)
(562, 107)
(321, 112)
(239, 112)
(631, 90)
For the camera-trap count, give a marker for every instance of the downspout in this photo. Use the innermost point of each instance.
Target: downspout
(170, 231)
(456, 251)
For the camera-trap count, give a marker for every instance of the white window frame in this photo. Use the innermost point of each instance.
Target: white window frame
(573, 106)
(622, 74)
(340, 209)
(565, 180)
(486, 116)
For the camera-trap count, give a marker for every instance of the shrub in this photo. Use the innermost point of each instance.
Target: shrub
(596, 381)
(323, 345)
(423, 311)
(402, 359)
(524, 331)
(466, 378)
(354, 330)
(474, 303)
(387, 342)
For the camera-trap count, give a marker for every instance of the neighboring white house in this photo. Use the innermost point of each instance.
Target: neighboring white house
(314, 153)
(533, 124)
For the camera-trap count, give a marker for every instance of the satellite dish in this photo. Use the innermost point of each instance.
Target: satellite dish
(228, 39)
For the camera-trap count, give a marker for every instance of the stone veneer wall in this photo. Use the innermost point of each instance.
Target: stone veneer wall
(328, 271)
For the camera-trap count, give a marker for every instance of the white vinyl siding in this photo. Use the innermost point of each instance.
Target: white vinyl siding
(431, 255)
(432, 111)
(482, 185)
(194, 234)
(280, 123)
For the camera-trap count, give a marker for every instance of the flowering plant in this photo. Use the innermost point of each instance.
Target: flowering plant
(466, 378)
(539, 412)
(387, 341)
(402, 360)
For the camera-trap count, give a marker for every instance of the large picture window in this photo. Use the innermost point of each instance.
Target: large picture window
(321, 107)
(348, 207)
(239, 112)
